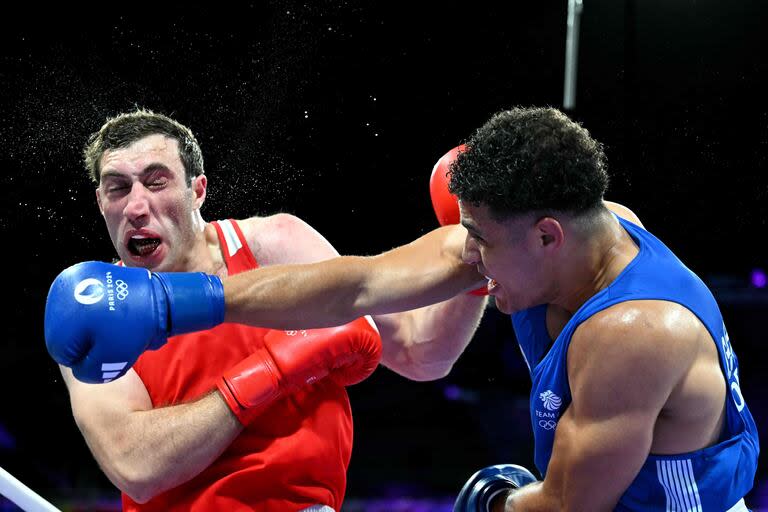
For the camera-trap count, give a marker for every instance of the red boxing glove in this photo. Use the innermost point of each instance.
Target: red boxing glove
(445, 204)
(291, 360)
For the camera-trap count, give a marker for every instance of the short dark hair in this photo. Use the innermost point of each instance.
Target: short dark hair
(530, 159)
(124, 129)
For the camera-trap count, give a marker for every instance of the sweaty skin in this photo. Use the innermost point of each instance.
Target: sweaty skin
(645, 378)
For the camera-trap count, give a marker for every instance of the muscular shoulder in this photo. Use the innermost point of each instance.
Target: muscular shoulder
(283, 239)
(636, 348)
(629, 328)
(623, 212)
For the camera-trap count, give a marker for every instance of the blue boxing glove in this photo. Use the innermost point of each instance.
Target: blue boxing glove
(99, 318)
(488, 483)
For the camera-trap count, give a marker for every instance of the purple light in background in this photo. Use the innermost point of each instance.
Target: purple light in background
(758, 278)
(452, 392)
(404, 504)
(759, 500)
(7, 441)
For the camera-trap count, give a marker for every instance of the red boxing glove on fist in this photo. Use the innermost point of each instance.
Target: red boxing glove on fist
(445, 204)
(291, 360)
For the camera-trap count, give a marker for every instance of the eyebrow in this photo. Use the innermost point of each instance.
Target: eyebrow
(472, 229)
(153, 167)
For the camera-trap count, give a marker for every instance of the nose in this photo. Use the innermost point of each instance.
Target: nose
(137, 205)
(471, 252)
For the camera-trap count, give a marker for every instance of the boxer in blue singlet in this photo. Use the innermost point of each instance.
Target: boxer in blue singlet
(636, 402)
(713, 477)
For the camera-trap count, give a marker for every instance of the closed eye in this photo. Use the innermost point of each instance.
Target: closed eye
(478, 239)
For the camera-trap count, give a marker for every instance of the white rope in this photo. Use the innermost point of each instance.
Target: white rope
(27, 499)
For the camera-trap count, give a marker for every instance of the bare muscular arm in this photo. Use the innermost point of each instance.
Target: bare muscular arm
(333, 292)
(420, 344)
(143, 450)
(622, 365)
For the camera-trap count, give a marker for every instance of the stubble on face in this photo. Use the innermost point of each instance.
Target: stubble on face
(154, 163)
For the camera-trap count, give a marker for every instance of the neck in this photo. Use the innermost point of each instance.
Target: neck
(594, 261)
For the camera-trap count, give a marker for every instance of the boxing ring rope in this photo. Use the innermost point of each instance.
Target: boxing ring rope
(27, 499)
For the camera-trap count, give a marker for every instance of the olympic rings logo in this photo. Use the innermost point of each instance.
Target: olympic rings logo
(547, 424)
(121, 287)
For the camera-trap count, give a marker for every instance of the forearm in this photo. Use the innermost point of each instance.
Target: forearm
(336, 291)
(296, 296)
(435, 338)
(147, 452)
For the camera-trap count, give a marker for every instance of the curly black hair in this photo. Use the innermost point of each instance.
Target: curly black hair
(124, 129)
(528, 160)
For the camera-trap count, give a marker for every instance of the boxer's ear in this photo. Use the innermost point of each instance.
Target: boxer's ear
(549, 233)
(199, 188)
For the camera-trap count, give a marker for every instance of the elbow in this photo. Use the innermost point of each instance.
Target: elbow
(138, 496)
(424, 377)
(414, 363)
(134, 480)
(118, 455)
(415, 353)
(422, 371)
(140, 490)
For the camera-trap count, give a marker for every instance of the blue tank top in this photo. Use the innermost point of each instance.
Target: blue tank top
(711, 479)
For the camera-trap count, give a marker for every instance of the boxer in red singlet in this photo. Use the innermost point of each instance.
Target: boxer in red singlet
(171, 433)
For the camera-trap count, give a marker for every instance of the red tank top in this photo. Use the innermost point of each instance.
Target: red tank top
(294, 456)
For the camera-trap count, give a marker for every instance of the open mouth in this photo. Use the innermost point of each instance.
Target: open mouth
(141, 246)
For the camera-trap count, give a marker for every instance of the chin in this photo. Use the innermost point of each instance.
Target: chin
(502, 304)
(505, 308)
(506, 305)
